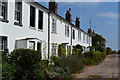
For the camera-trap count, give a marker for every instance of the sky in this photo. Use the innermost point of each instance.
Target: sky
(103, 15)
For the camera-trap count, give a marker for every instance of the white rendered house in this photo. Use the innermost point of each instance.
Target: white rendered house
(30, 25)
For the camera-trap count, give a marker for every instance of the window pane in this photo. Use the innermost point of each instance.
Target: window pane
(40, 21)
(32, 16)
(32, 45)
(3, 43)
(39, 47)
(18, 11)
(53, 25)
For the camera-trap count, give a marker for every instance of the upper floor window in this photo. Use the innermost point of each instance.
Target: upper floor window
(83, 37)
(18, 12)
(73, 34)
(79, 35)
(3, 9)
(40, 20)
(54, 26)
(67, 31)
(32, 16)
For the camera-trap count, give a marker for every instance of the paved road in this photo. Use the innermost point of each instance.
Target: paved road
(107, 69)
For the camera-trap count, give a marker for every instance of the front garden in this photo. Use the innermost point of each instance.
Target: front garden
(26, 64)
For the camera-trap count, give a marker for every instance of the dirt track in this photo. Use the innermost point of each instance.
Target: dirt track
(107, 69)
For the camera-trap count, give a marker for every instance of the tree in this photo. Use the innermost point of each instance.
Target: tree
(98, 40)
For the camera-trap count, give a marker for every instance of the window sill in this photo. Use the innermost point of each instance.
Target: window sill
(54, 32)
(66, 36)
(4, 20)
(18, 24)
(32, 28)
(40, 30)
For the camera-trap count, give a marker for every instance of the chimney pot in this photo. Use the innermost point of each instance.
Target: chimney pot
(53, 6)
(68, 15)
(77, 22)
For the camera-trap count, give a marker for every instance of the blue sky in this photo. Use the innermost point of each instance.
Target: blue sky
(103, 15)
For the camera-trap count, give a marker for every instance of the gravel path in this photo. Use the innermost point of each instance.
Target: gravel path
(107, 69)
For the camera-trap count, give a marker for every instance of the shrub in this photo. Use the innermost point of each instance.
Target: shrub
(61, 50)
(109, 51)
(22, 56)
(77, 50)
(70, 64)
(100, 48)
(92, 58)
(26, 63)
(88, 61)
(55, 72)
(88, 54)
(98, 56)
(8, 71)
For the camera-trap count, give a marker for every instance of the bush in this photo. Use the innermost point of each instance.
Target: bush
(100, 48)
(88, 54)
(70, 64)
(109, 51)
(22, 56)
(8, 71)
(55, 72)
(24, 63)
(92, 58)
(77, 50)
(62, 50)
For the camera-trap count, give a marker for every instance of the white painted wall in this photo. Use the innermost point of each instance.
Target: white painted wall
(14, 32)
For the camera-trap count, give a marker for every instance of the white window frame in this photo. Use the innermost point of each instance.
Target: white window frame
(2, 11)
(40, 46)
(2, 44)
(79, 35)
(73, 33)
(67, 30)
(33, 46)
(54, 25)
(83, 37)
(18, 11)
(54, 49)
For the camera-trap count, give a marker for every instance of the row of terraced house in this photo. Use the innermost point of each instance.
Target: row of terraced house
(30, 25)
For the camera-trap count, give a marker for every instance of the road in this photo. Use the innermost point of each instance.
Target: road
(107, 69)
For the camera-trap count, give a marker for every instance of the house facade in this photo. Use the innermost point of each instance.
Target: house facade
(30, 25)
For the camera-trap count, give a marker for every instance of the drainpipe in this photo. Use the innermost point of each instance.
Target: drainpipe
(71, 41)
(49, 35)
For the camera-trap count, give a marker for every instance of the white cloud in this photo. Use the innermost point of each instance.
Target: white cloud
(109, 15)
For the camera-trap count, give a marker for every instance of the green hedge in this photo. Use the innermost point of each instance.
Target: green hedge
(26, 64)
(92, 58)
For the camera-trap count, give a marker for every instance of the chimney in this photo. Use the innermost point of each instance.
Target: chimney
(53, 6)
(89, 31)
(77, 22)
(68, 15)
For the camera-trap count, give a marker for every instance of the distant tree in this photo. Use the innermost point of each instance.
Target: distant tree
(98, 40)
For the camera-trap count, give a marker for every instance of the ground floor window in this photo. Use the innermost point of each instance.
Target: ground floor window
(39, 46)
(54, 50)
(68, 50)
(32, 45)
(3, 43)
